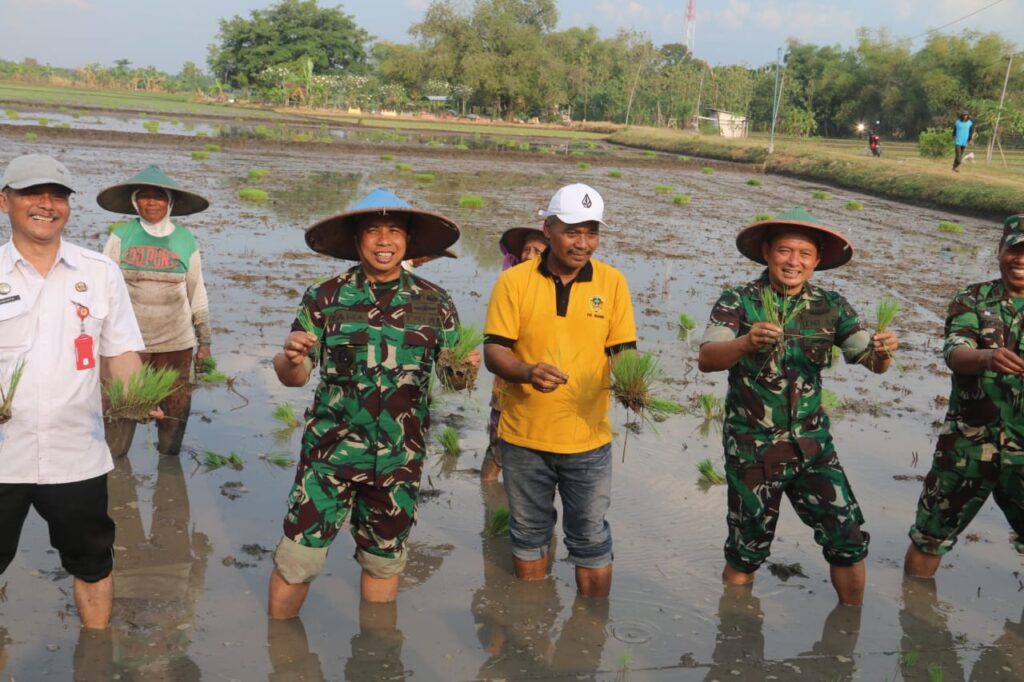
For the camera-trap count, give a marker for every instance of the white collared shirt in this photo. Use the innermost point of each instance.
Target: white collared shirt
(55, 434)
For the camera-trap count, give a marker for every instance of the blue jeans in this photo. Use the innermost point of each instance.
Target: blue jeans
(584, 480)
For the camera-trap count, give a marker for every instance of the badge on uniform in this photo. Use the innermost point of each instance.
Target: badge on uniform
(84, 357)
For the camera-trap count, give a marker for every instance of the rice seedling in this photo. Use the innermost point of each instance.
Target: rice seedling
(762, 216)
(886, 312)
(576, 152)
(686, 323)
(583, 165)
(202, 133)
(663, 189)
(302, 137)
(854, 206)
(711, 406)
(200, 155)
(708, 474)
(462, 147)
(211, 147)
(7, 393)
(471, 201)
(614, 174)
(386, 157)
(633, 374)
(452, 361)
(43, 121)
(285, 413)
(424, 177)
(660, 408)
(625, 662)
(151, 126)
(650, 154)
(821, 194)
(76, 116)
(779, 311)
(910, 657)
(935, 673)
(497, 521)
(950, 226)
(404, 167)
(31, 137)
(524, 146)
(681, 199)
(13, 115)
(449, 441)
(684, 158)
(213, 460)
(544, 150)
(754, 182)
(64, 125)
(257, 174)
(140, 394)
(707, 170)
(208, 373)
(175, 122)
(252, 194)
(830, 401)
(278, 459)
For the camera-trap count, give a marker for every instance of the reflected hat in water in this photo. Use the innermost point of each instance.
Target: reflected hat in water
(514, 239)
(118, 198)
(834, 248)
(31, 170)
(1013, 230)
(428, 233)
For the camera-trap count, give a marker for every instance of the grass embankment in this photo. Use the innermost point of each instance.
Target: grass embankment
(988, 190)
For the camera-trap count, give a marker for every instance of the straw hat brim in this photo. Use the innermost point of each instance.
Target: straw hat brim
(836, 249)
(513, 239)
(118, 199)
(429, 233)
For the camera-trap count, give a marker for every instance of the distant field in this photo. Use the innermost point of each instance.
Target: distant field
(456, 126)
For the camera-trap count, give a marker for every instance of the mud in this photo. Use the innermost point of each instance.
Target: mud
(191, 556)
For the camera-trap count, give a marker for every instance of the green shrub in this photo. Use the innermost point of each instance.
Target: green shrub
(257, 174)
(614, 174)
(707, 170)
(754, 182)
(471, 201)
(681, 199)
(855, 205)
(663, 189)
(820, 194)
(949, 226)
(252, 194)
(424, 177)
(935, 144)
(200, 155)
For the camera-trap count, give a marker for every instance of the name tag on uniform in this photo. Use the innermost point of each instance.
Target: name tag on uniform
(84, 358)
(10, 299)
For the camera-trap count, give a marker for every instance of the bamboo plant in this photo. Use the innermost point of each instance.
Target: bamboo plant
(141, 394)
(7, 394)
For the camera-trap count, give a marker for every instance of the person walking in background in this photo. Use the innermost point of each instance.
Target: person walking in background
(963, 131)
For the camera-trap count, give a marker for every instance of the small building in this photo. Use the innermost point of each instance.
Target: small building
(728, 123)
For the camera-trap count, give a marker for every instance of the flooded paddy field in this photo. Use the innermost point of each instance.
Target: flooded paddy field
(193, 544)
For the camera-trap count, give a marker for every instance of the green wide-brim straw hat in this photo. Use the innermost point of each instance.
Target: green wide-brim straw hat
(118, 198)
(835, 249)
(428, 233)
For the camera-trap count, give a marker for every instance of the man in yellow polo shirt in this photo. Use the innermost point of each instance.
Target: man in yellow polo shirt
(552, 324)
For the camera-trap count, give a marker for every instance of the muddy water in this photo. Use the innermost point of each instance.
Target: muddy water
(192, 561)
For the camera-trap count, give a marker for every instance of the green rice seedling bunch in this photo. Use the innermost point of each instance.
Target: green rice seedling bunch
(306, 322)
(754, 182)
(583, 165)
(13, 115)
(7, 392)
(278, 459)
(497, 521)
(830, 401)
(707, 170)
(211, 147)
(681, 199)
(779, 311)
(175, 122)
(257, 174)
(141, 394)
(449, 441)
(762, 217)
(202, 133)
(471, 201)
(285, 413)
(633, 375)
(544, 150)
(252, 194)
(453, 360)
(200, 155)
(854, 206)
(462, 147)
(663, 189)
(43, 121)
(576, 152)
(950, 226)
(31, 137)
(686, 323)
(524, 146)
(386, 157)
(424, 177)
(209, 374)
(709, 475)
(214, 460)
(821, 194)
(151, 126)
(404, 167)
(885, 313)
(663, 407)
(614, 174)
(711, 406)
(650, 154)
(684, 158)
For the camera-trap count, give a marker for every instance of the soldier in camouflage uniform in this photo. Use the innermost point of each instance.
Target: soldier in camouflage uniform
(375, 331)
(980, 450)
(776, 433)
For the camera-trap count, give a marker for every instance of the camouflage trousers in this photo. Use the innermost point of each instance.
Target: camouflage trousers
(319, 503)
(955, 490)
(819, 492)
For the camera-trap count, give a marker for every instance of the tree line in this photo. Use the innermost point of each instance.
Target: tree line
(504, 59)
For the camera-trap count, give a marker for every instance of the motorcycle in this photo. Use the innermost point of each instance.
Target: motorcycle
(875, 144)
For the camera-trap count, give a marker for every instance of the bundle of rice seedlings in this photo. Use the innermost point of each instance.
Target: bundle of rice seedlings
(252, 194)
(614, 174)
(151, 126)
(43, 121)
(257, 174)
(886, 312)
(306, 322)
(779, 311)
(583, 165)
(762, 217)
(497, 521)
(277, 459)
(449, 441)
(950, 226)
(830, 401)
(471, 201)
(711, 406)
(663, 189)
(707, 170)
(208, 373)
(462, 147)
(200, 155)
(684, 158)
(650, 154)
(31, 137)
(633, 374)
(709, 475)
(659, 408)
(403, 167)
(686, 323)
(213, 460)
(681, 199)
(854, 206)
(13, 115)
(211, 147)
(386, 157)
(142, 393)
(285, 413)
(754, 182)
(820, 194)
(424, 177)
(453, 360)
(7, 393)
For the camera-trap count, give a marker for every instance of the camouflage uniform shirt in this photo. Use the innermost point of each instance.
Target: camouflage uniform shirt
(986, 411)
(371, 410)
(774, 396)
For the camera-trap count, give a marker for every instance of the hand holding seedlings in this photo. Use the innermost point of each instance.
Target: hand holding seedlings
(763, 335)
(298, 345)
(546, 378)
(202, 352)
(885, 343)
(1004, 361)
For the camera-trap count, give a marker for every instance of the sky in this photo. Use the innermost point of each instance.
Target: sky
(71, 33)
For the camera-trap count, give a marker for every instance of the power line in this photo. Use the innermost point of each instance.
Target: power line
(956, 21)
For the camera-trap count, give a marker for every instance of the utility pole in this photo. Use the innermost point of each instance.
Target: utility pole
(999, 113)
(775, 100)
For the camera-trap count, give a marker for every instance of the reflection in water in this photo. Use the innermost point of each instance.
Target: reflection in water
(290, 656)
(739, 644)
(157, 583)
(1004, 660)
(314, 195)
(927, 644)
(377, 649)
(516, 619)
(5, 639)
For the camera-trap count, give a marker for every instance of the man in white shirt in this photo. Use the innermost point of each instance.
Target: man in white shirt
(66, 318)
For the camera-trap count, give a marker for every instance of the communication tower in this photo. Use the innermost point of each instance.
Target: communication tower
(691, 25)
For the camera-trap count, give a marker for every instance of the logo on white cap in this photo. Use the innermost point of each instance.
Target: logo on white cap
(587, 203)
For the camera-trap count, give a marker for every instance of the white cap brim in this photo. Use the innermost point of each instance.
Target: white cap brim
(571, 218)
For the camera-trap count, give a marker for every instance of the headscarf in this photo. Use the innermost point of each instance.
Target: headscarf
(164, 226)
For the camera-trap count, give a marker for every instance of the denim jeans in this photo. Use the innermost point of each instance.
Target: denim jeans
(584, 481)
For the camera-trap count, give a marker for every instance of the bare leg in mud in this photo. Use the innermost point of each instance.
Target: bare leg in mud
(732, 576)
(917, 564)
(95, 602)
(849, 582)
(284, 600)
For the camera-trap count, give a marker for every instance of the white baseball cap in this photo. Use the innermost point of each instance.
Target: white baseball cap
(576, 203)
(30, 170)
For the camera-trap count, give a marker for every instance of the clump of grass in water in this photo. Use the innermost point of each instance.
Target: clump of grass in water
(681, 199)
(709, 475)
(404, 167)
(707, 170)
(449, 441)
(209, 374)
(950, 226)
(497, 521)
(211, 147)
(7, 394)
(141, 394)
(760, 217)
(286, 413)
(686, 323)
(31, 137)
(257, 174)
(252, 194)
(151, 126)
(625, 661)
(453, 360)
(471, 201)
(43, 121)
(854, 205)
(13, 115)
(213, 460)
(663, 189)
(822, 195)
(386, 157)
(200, 155)
(754, 182)
(935, 673)
(424, 177)
(614, 174)
(278, 459)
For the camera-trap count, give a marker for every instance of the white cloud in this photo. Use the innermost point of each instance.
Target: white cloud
(39, 4)
(736, 15)
(418, 5)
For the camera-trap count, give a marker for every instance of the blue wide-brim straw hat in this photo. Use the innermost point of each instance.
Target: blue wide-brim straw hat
(836, 249)
(429, 233)
(118, 198)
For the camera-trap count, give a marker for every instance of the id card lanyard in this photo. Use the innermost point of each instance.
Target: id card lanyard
(84, 357)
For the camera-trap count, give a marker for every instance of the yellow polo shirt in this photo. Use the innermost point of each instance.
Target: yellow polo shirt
(572, 327)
